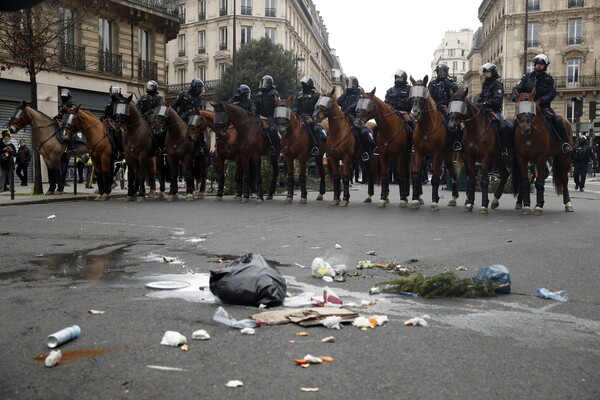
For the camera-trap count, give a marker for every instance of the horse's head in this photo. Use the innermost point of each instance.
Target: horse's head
(19, 119)
(70, 122)
(364, 108)
(283, 115)
(221, 120)
(123, 113)
(457, 109)
(526, 110)
(324, 104)
(160, 115)
(418, 96)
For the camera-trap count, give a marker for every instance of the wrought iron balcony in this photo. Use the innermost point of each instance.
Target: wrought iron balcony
(562, 82)
(575, 40)
(575, 3)
(201, 50)
(222, 11)
(246, 10)
(110, 63)
(209, 87)
(202, 16)
(181, 53)
(166, 6)
(147, 70)
(72, 56)
(269, 12)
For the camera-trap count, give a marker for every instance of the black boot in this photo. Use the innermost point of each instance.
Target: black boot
(562, 133)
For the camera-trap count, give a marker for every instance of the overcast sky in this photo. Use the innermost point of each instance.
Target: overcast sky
(374, 38)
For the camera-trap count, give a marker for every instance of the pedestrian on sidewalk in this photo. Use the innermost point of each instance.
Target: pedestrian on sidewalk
(7, 153)
(23, 160)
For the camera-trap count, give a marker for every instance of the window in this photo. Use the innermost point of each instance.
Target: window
(454, 66)
(222, 7)
(70, 55)
(143, 46)
(182, 13)
(530, 66)
(201, 10)
(462, 53)
(451, 53)
(270, 33)
(533, 5)
(222, 69)
(575, 3)
(68, 21)
(107, 60)
(222, 38)
(201, 72)
(533, 31)
(269, 8)
(105, 35)
(570, 111)
(246, 34)
(181, 45)
(246, 7)
(464, 68)
(181, 76)
(573, 72)
(201, 42)
(575, 31)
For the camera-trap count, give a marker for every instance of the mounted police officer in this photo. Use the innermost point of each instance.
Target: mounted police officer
(582, 155)
(441, 90)
(150, 100)
(242, 99)
(265, 107)
(304, 106)
(490, 100)
(66, 101)
(397, 97)
(188, 101)
(545, 92)
(109, 117)
(347, 102)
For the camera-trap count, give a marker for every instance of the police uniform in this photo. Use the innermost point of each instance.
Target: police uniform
(244, 102)
(347, 102)
(440, 90)
(186, 101)
(490, 98)
(304, 105)
(149, 101)
(265, 107)
(398, 96)
(582, 155)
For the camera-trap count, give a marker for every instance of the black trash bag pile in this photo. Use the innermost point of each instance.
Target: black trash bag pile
(250, 281)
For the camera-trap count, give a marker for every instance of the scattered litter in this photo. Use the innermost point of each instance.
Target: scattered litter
(173, 339)
(301, 333)
(223, 317)
(248, 331)
(301, 300)
(388, 266)
(417, 321)
(371, 253)
(234, 384)
(353, 274)
(64, 335)
(561, 295)
(338, 278)
(410, 294)
(163, 368)
(304, 316)
(249, 280)
(496, 273)
(96, 312)
(53, 358)
(337, 246)
(333, 322)
(185, 347)
(375, 290)
(306, 389)
(219, 261)
(329, 299)
(301, 361)
(370, 322)
(167, 285)
(321, 268)
(169, 259)
(300, 265)
(367, 303)
(285, 245)
(327, 279)
(509, 241)
(328, 339)
(200, 335)
(461, 268)
(327, 358)
(51, 216)
(364, 264)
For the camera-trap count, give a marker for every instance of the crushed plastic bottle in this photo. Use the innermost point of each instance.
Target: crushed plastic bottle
(558, 296)
(223, 317)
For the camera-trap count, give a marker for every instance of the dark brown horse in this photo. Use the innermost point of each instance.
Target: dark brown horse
(296, 144)
(533, 141)
(45, 130)
(137, 145)
(393, 141)
(252, 146)
(99, 146)
(178, 149)
(197, 128)
(430, 138)
(342, 146)
(480, 143)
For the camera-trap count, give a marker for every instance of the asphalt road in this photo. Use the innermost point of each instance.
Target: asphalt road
(100, 255)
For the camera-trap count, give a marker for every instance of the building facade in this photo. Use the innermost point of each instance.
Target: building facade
(204, 45)
(453, 51)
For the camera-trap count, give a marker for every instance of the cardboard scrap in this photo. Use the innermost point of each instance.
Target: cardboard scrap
(303, 316)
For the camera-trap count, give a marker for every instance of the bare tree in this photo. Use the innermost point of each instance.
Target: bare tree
(32, 39)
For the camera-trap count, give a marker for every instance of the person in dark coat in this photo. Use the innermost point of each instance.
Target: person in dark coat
(347, 102)
(490, 101)
(23, 160)
(581, 157)
(441, 89)
(7, 154)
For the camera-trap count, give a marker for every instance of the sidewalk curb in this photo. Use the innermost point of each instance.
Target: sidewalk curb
(54, 199)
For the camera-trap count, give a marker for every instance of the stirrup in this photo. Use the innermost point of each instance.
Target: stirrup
(375, 151)
(457, 146)
(566, 148)
(272, 150)
(504, 151)
(315, 151)
(365, 156)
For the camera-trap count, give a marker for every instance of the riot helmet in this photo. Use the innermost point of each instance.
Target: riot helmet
(541, 59)
(197, 85)
(266, 82)
(488, 67)
(442, 71)
(400, 74)
(151, 87)
(245, 91)
(65, 95)
(114, 91)
(351, 83)
(307, 83)
(582, 140)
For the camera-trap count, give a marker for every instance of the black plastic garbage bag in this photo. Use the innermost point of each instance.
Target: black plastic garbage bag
(498, 274)
(249, 280)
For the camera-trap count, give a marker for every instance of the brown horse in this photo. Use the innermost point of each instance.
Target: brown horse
(533, 141)
(296, 144)
(252, 146)
(342, 146)
(45, 132)
(137, 145)
(178, 148)
(99, 146)
(393, 141)
(430, 138)
(197, 128)
(480, 143)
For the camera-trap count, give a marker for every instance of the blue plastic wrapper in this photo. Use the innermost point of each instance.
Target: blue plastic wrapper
(249, 280)
(498, 274)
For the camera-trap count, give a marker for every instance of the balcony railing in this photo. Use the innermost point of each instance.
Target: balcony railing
(201, 50)
(575, 3)
(72, 56)
(222, 11)
(562, 82)
(202, 16)
(533, 43)
(222, 46)
(181, 53)
(147, 70)
(167, 6)
(182, 18)
(575, 40)
(209, 86)
(269, 12)
(110, 63)
(246, 10)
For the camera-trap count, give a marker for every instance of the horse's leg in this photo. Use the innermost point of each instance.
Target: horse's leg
(485, 184)
(503, 178)
(539, 185)
(239, 178)
(384, 180)
(367, 166)
(435, 180)
(471, 177)
(173, 175)
(246, 179)
(51, 181)
(346, 181)
(165, 171)
(258, 169)
(415, 171)
(204, 165)
(142, 173)
(275, 173)
(403, 180)
(336, 182)
(302, 178)
(321, 169)
(452, 172)
(524, 186)
(289, 164)
(188, 173)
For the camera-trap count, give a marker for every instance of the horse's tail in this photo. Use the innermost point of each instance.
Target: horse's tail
(558, 173)
(516, 176)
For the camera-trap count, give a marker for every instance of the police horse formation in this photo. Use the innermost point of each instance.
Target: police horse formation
(239, 139)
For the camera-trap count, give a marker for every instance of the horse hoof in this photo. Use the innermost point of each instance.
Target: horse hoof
(302, 201)
(200, 196)
(244, 200)
(483, 210)
(259, 200)
(96, 191)
(495, 203)
(320, 197)
(49, 193)
(171, 197)
(526, 210)
(219, 198)
(415, 205)
(59, 192)
(452, 203)
(382, 203)
(403, 204)
(538, 211)
(368, 200)
(269, 197)
(569, 207)
(335, 202)
(98, 197)
(151, 195)
(189, 197)
(434, 207)
(129, 198)
(238, 198)
(141, 199)
(105, 197)
(421, 200)
(161, 195)
(468, 208)
(288, 200)
(344, 203)
(518, 206)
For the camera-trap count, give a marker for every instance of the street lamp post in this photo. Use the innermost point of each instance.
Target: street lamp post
(234, 56)
(299, 58)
